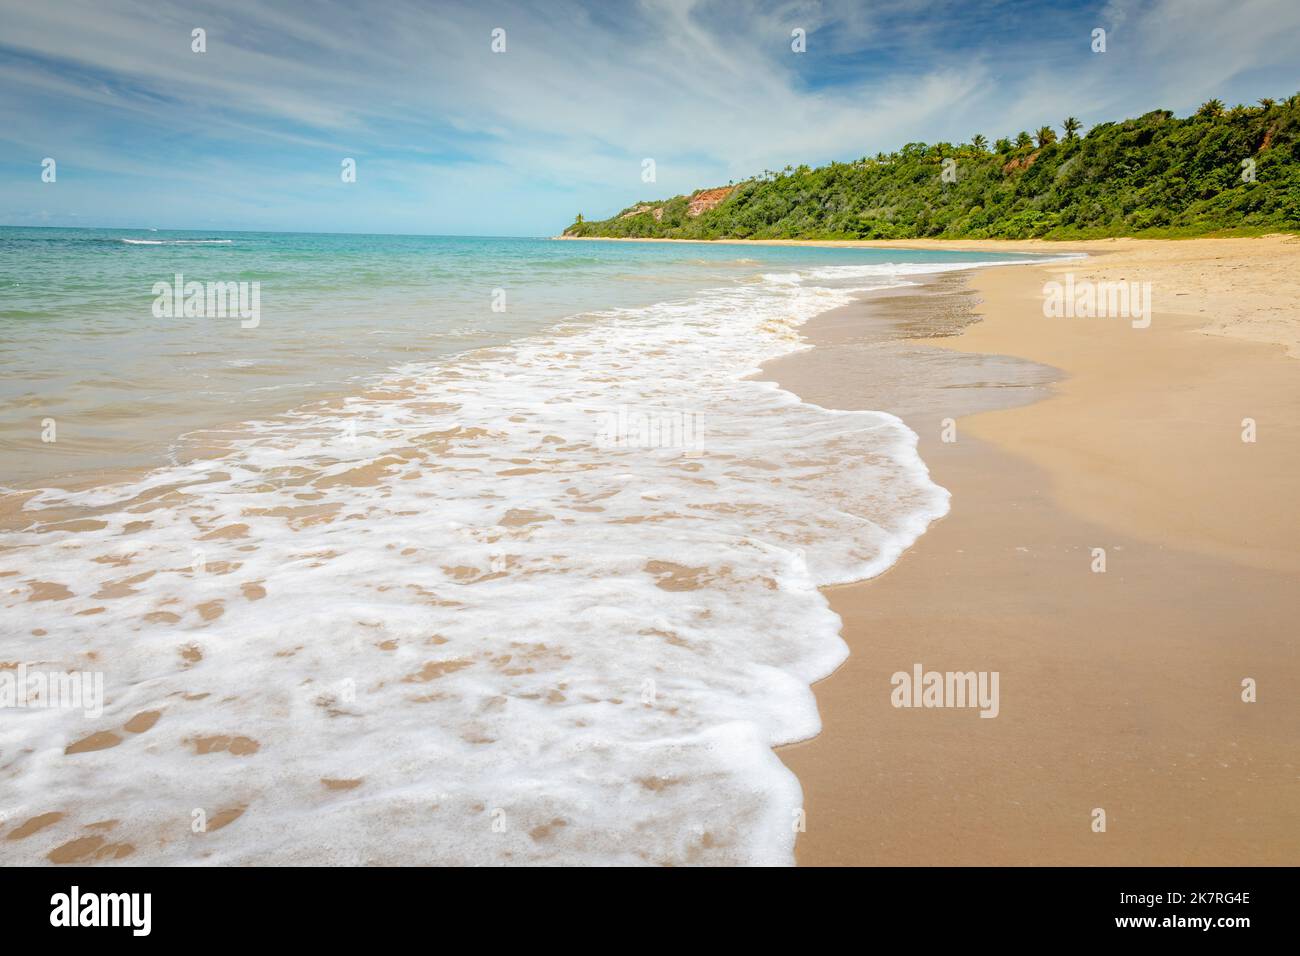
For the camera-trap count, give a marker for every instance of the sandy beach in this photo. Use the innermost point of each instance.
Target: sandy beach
(1120, 690)
(318, 714)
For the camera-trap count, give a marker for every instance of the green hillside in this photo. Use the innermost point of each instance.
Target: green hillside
(1154, 175)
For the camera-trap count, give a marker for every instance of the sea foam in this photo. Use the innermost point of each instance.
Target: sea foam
(177, 242)
(442, 621)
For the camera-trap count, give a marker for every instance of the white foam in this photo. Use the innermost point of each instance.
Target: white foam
(496, 633)
(177, 242)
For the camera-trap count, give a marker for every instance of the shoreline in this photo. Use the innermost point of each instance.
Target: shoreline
(1245, 320)
(468, 511)
(1120, 690)
(999, 584)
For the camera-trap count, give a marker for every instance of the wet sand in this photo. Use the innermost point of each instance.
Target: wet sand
(1119, 691)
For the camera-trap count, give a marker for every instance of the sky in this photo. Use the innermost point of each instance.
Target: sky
(451, 137)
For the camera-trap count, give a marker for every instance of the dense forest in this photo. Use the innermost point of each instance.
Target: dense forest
(1219, 170)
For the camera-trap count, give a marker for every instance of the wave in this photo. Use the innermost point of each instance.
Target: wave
(177, 242)
(551, 602)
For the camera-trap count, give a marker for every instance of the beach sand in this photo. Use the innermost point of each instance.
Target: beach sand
(1119, 691)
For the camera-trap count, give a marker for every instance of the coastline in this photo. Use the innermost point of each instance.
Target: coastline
(1244, 309)
(1120, 690)
(982, 590)
(528, 563)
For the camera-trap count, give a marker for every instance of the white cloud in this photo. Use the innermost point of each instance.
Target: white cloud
(710, 90)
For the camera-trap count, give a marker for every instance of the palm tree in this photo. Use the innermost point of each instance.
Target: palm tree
(1045, 135)
(1023, 139)
(979, 142)
(1267, 102)
(1071, 127)
(1211, 109)
(1003, 145)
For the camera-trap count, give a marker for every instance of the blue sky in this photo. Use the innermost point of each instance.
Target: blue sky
(451, 138)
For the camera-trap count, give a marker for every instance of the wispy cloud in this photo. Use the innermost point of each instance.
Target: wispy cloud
(451, 137)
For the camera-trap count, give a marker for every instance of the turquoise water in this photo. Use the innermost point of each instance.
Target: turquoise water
(553, 600)
(80, 344)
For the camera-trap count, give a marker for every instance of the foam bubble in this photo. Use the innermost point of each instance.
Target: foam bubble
(553, 602)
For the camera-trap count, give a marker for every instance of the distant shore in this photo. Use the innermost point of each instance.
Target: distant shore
(1121, 690)
(1230, 307)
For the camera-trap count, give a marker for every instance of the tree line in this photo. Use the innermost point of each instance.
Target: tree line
(1220, 170)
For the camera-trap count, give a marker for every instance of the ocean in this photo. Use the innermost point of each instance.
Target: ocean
(453, 550)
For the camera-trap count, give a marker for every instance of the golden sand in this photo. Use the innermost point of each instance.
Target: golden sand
(1121, 691)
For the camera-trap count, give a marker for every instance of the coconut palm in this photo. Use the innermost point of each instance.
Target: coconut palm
(1267, 102)
(1023, 139)
(1045, 135)
(979, 142)
(1003, 145)
(1071, 127)
(1211, 109)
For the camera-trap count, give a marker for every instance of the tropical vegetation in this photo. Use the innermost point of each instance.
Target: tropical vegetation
(1220, 170)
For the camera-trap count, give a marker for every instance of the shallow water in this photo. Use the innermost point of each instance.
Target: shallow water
(549, 601)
